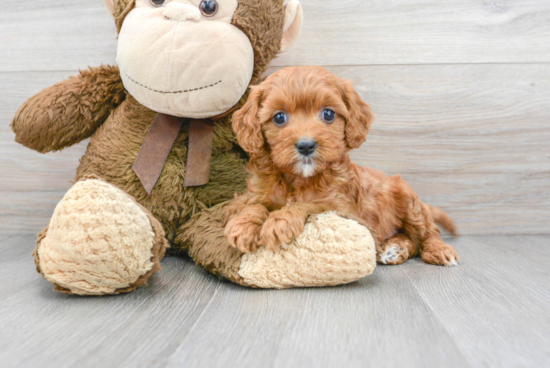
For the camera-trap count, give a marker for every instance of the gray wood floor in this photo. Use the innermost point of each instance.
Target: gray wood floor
(491, 311)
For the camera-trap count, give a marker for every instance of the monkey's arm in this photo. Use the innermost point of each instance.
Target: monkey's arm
(70, 111)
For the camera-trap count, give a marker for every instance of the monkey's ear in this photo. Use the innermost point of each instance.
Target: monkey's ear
(110, 6)
(360, 116)
(246, 123)
(294, 19)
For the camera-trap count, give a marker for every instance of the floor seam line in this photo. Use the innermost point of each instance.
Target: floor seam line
(439, 320)
(193, 325)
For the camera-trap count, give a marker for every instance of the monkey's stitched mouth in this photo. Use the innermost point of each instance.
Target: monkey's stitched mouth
(172, 92)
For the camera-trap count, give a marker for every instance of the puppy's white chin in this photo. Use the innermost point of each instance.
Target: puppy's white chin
(306, 169)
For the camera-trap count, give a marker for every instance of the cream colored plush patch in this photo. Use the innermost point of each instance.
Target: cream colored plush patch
(294, 20)
(176, 61)
(331, 251)
(98, 240)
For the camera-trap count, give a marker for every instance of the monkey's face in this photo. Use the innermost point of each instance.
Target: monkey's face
(184, 57)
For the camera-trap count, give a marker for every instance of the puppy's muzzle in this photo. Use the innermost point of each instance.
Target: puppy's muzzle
(306, 146)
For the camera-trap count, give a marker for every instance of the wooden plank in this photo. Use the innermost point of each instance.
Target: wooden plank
(17, 268)
(27, 212)
(496, 302)
(5, 236)
(359, 32)
(489, 203)
(59, 35)
(43, 328)
(491, 310)
(71, 34)
(469, 138)
(354, 326)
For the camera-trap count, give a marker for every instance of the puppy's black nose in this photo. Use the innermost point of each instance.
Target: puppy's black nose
(306, 147)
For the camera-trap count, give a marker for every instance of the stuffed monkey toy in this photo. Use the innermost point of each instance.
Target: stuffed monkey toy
(163, 159)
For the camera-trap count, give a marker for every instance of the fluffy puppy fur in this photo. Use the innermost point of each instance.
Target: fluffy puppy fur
(300, 166)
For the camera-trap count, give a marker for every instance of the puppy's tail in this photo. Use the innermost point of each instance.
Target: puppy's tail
(443, 219)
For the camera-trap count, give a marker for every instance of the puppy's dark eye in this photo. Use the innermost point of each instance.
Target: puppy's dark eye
(209, 8)
(157, 2)
(328, 115)
(280, 118)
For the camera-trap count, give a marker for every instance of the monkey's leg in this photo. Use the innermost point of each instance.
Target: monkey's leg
(332, 250)
(396, 250)
(99, 241)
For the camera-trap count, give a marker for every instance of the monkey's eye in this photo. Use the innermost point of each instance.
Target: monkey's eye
(328, 115)
(280, 118)
(209, 8)
(157, 3)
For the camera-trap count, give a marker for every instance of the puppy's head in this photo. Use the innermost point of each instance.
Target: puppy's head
(304, 118)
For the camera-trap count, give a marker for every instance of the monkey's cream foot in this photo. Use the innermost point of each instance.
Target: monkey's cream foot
(437, 252)
(331, 250)
(99, 241)
(396, 250)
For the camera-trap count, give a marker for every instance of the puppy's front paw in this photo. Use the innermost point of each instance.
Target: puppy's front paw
(439, 253)
(229, 212)
(243, 233)
(281, 227)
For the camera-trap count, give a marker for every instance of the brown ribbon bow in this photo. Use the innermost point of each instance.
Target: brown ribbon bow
(159, 142)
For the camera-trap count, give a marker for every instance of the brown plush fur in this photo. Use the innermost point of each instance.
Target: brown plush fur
(262, 21)
(210, 249)
(282, 194)
(70, 111)
(95, 104)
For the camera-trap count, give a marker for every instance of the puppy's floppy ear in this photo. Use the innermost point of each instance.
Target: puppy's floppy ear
(246, 123)
(360, 116)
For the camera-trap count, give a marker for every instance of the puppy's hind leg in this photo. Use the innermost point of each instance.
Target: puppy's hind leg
(396, 250)
(436, 251)
(422, 230)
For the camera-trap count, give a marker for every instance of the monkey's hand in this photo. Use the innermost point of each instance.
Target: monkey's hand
(70, 111)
